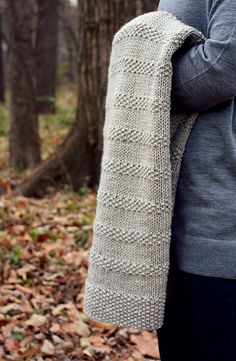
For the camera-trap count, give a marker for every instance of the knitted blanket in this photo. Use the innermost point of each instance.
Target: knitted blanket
(143, 145)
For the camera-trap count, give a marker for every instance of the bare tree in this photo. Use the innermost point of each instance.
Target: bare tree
(46, 54)
(77, 160)
(144, 6)
(68, 37)
(150, 5)
(24, 136)
(2, 95)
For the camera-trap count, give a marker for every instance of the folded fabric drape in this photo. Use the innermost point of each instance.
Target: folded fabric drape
(144, 141)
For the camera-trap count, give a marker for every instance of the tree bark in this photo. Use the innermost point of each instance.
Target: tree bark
(71, 44)
(145, 6)
(24, 137)
(150, 5)
(76, 161)
(2, 87)
(46, 54)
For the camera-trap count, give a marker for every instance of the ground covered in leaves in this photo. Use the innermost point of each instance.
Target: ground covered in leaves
(44, 247)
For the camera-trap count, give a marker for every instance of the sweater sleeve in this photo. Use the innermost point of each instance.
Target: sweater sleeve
(205, 75)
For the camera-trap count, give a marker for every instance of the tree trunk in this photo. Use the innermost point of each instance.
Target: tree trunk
(2, 95)
(46, 54)
(24, 137)
(145, 6)
(77, 160)
(71, 44)
(150, 5)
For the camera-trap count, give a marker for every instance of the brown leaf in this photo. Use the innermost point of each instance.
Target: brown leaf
(29, 351)
(11, 307)
(23, 271)
(24, 289)
(36, 320)
(146, 342)
(7, 330)
(48, 348)
(55, 327)
(69, 327)
(103, 348)
(137, 356)
(57, 310)
(11, 345)
(84, 342)
(82, 329)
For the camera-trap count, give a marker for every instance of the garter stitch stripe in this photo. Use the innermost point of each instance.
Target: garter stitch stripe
(127, 282)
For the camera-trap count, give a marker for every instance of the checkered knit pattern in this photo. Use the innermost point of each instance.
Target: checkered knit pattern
(144, 142)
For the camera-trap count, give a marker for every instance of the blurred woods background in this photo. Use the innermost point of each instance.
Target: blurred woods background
(50, 49)
(54, 57)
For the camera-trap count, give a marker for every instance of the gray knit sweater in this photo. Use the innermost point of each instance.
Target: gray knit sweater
(143, 145)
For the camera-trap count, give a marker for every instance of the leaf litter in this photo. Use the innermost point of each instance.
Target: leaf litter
(44, 248)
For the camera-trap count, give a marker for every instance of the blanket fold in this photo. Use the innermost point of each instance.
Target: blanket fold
(144, 141)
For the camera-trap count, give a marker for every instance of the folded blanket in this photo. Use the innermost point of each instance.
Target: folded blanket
(127, 282)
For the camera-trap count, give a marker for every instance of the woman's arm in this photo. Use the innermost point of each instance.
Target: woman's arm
(205, 74)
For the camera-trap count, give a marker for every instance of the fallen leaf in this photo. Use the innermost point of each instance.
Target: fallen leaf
(69, 327)
(36, 320)
(11, 307)
(23, 271)
(57, 310)
(48, 348)
(55, 328)
(11, 345)
(82, 329)
(146, 342)
(7, 330)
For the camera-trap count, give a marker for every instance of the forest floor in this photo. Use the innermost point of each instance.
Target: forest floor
(44, 246)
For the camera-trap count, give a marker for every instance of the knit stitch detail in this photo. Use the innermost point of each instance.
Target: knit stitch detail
(135, 136)
(141, 30)
(125, 266)
(134, 170)
(138, 102)
(131, 235)
(133, 66)
(116, 200)
(100, 301)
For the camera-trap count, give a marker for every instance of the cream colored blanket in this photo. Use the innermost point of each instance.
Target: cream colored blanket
(143, 147)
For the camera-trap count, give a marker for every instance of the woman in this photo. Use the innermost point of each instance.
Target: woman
(200, 319)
